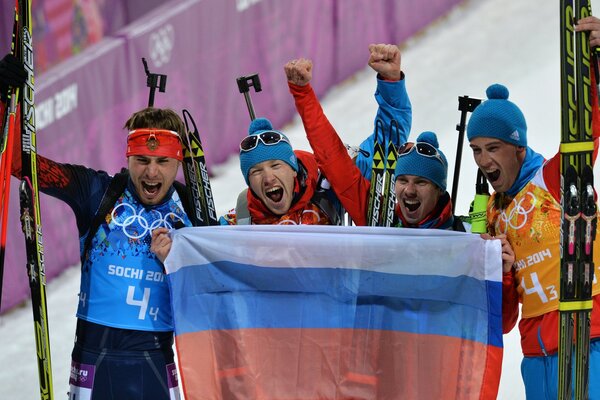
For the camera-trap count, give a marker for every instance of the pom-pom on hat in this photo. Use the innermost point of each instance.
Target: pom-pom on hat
(281, 149)
(498, 118)
(425, 159)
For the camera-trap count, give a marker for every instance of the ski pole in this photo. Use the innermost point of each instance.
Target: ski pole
(466, 104)
(5, 165)
(154, 81)
(244, 83)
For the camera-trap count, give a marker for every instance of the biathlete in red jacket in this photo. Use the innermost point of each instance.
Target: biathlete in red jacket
(526, 207)
(420, 175)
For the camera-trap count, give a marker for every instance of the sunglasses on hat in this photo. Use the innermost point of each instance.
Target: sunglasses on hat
(268, 138)
(422, 148)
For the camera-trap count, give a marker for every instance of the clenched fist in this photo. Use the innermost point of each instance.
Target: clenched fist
(299, 72)
(385, 60)
(161, 243)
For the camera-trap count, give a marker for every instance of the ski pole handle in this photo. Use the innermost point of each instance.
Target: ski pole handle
(154, 81)
(244, 83)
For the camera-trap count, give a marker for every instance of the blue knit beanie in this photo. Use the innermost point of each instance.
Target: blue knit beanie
(498, 118)
(428, 167)
(281, 151)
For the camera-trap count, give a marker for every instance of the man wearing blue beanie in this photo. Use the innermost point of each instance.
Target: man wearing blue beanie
(283, 184)
(421, 169)
(421, 173)
(526, 208)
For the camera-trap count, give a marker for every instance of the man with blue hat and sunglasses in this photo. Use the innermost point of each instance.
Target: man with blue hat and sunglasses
(421, 172)
(283, 184)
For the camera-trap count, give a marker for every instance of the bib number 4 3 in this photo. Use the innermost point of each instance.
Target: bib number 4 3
(537, 288)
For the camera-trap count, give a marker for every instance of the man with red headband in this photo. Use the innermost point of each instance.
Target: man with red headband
(124, 337)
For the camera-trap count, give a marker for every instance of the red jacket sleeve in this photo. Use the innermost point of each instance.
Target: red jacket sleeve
(332, 157)
(50, 173)
(510, 302)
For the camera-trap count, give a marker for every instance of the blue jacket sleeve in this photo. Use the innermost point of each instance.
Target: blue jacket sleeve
(394, 103)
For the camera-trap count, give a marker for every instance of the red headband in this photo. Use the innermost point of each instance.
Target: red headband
(154, 142)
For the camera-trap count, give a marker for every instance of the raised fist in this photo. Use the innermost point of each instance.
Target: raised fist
(299, 72)
(385, 60)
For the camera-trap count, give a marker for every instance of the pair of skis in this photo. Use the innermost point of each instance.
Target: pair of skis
(382, 196)
(21, 108)
(194, 161)
(578, 228)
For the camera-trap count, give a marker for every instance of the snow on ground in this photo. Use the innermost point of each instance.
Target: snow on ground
(512, 42)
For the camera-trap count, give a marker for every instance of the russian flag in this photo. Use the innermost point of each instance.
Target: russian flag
(329, 312)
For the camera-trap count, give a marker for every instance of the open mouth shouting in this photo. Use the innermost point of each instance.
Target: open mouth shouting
(151, 189)
(492, 176)
(276, 199)
(412, 205)
(275, 194)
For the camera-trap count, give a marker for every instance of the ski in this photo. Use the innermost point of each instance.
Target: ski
(29, 198)
(196, 175)
(382, 194)
(578, 227)
(389, 192)
(378, 168)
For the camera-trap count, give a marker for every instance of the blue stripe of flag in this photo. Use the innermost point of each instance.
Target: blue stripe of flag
(228, 295)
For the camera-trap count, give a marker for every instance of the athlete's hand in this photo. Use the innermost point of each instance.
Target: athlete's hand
(12, 74)
(508, 255)
(385, 60)
(592, 25)
(299, 72)
(161, 243)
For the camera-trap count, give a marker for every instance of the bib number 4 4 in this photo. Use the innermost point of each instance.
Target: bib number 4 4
(142, 303)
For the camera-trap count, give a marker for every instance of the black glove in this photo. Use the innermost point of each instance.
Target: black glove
(12, 74)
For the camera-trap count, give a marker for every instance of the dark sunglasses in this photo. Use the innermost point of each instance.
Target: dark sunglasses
(422, 148)
(268, 138)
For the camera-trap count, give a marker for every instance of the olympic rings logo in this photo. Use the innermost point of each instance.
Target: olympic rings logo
(517, 217)
(135, 225)
(161, 44)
